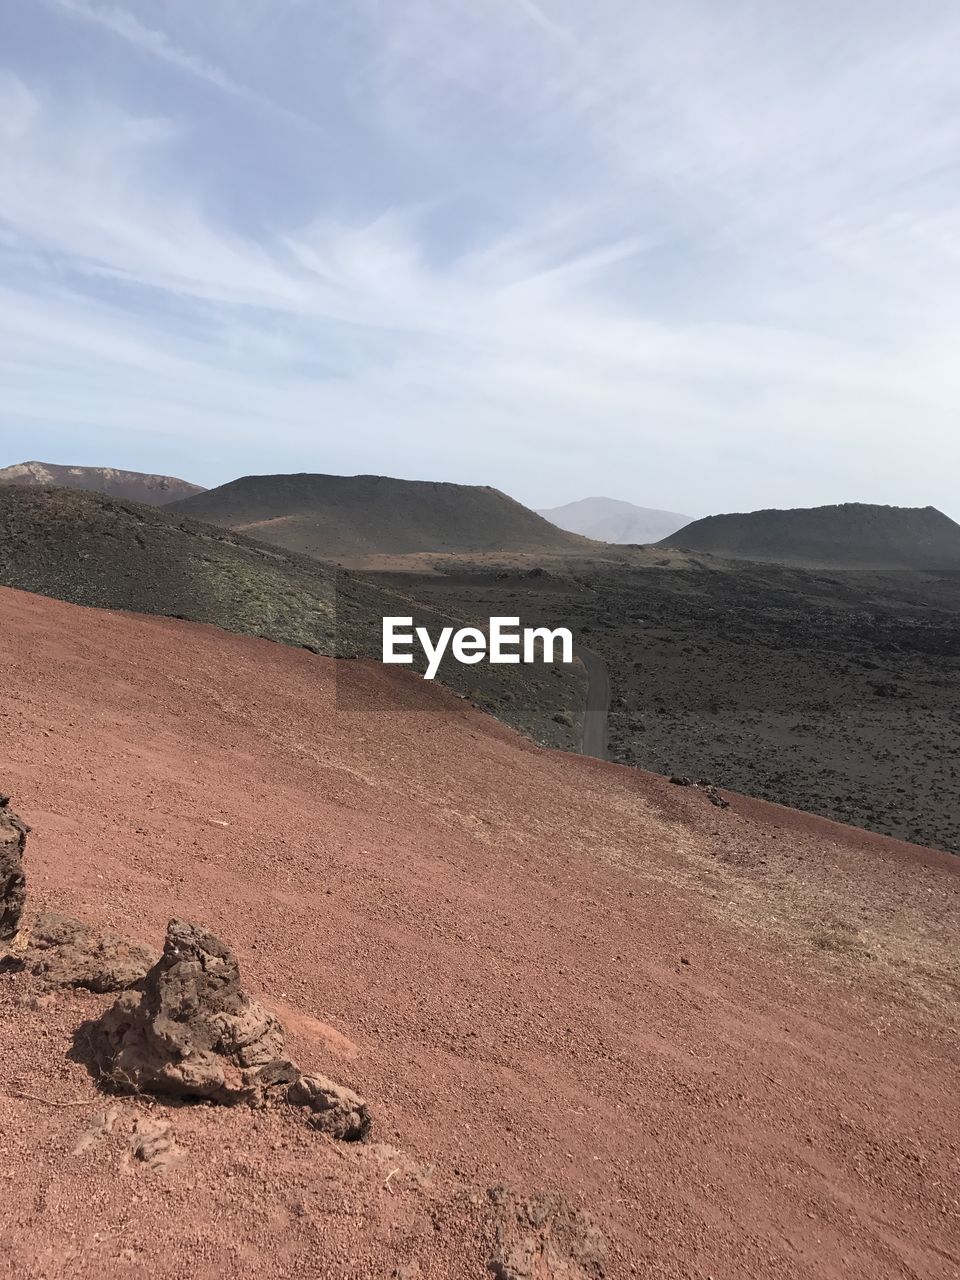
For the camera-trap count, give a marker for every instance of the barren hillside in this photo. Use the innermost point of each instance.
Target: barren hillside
(723, 1036)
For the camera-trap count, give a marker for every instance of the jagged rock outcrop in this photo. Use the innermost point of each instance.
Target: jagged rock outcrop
(189, 1030)
(66, 953)
(542, 1237)
(13, 879)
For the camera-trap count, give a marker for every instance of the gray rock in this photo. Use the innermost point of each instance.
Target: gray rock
(190, 1030)
(335, 1109)
(13, 879)
(541, 1237)
(66, 953)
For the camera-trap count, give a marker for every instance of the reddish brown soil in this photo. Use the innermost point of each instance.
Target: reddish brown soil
(727, 1033)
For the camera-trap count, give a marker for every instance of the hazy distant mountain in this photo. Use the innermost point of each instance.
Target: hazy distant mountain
(345, 517)
(155, 491)
(609, 520)
(851, 536)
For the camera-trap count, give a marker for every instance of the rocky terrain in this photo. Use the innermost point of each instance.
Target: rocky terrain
(601, 1026)
(348, 518)
(93, 550)
(136, 486)
(608, 520)
(830, 692)
(851, 536)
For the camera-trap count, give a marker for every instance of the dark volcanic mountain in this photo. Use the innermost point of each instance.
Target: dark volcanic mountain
(610, 520)
(137, 486)
(350, 517)
(851, 536)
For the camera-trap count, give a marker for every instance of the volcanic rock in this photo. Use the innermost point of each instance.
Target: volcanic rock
(13, 880)
(66, 953)
(541, 1237)
(152, 1142)
(336, 1110)
(190, 1030)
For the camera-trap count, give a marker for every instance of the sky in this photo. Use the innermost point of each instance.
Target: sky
(697, 256)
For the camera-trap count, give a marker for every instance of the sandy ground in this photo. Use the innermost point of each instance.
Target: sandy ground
(729, 1034)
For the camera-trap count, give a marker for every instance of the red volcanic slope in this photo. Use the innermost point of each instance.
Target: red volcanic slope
(729, 1034)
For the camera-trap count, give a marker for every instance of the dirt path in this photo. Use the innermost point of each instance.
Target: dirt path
(597, 709)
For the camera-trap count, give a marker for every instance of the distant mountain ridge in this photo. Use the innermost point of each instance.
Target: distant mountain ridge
(136, 486)
(852, 535)
(348, 517)
(611, 520)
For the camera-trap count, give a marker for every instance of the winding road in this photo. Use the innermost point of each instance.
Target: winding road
(594, 741)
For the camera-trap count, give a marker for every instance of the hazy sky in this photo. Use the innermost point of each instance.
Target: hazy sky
(698, 255)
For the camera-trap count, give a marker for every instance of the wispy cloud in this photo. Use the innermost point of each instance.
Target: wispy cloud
(149, 40)
(127, 27)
